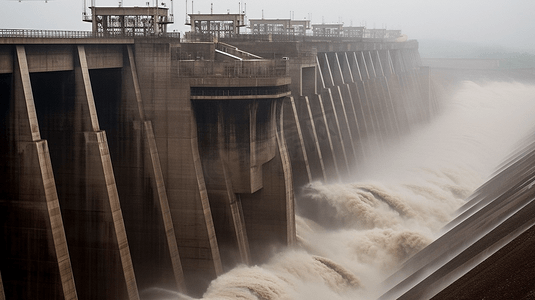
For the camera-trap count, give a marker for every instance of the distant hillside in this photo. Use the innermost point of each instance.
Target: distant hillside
(509, 58)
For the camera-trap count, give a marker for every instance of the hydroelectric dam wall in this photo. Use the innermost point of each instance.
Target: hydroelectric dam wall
(128, 164)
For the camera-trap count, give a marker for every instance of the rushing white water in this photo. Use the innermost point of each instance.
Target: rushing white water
(395, 204)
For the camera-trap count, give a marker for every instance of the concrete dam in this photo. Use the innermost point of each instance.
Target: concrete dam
(132, 161)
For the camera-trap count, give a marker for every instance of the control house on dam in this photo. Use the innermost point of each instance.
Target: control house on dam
(134, 158)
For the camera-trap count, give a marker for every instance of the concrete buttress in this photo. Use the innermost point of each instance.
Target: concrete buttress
(34, 215)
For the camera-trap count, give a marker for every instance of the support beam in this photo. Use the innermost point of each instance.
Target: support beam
(159, 187)
(289, 196)
(156, 175)
(205, 205)
(334, 109)
(334, 174)
(351, 122)
(336, 68)
(325, 71)
(301, 146)
(34, 220)
(236, 211)
(269, 212)
(233, 202)
(27, 127)
(348, 73)
(100, 188)
(312, 127)
(329, 70)
(320, 77)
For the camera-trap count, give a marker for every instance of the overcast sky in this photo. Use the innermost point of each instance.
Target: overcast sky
(509, 23)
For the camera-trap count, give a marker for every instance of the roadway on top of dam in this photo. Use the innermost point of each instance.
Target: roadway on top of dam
(32, 36)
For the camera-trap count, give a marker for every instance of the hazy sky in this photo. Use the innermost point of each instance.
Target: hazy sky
(508, 23)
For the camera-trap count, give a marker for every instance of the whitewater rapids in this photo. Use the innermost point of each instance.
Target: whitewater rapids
(396, 203)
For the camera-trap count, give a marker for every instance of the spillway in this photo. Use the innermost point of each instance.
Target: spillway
(400, 218)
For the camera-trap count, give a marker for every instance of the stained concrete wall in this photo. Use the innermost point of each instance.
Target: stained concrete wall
(364, 99)
(136, 183)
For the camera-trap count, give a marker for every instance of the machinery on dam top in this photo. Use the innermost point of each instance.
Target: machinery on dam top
(128, 21)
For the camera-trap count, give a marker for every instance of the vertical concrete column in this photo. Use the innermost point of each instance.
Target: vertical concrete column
(336, 68)
(301, 168)
(312, 128)
(378, 96)
(387, 59)
(27, 127)
(371, 95)
(167, 103)
(348, 74)
(325, 70)
(354, 66)
(346, 139)
(363, 66)
(229, 167)
(308, 141)
(101, 187)
(357, 96)
(375, 92)
(379, 64)
(366, 103)
(238, 220)
(398, 101)
(323, 138)
(391, 111)
(159, 186)
(156, 175)
(356, 118)
(33, 244)
(205, 205)
(333, 125)
(410, 81)
(289, 196)
(421, 79)
(254, 165)
(269, 211)
(399, 91)
(372, 72)
(332, 69)
(321, 79)
(232, 200)
(351, 120)
(386, 97)
(427, 90)
(326, 129)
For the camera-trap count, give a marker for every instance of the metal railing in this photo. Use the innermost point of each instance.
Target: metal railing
(232, 50)
(66, 34)
(232, 69)
(247, 37)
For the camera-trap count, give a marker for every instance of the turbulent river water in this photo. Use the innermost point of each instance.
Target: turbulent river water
(395, 204)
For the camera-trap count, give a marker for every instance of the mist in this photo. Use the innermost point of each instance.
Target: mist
(396, 203)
